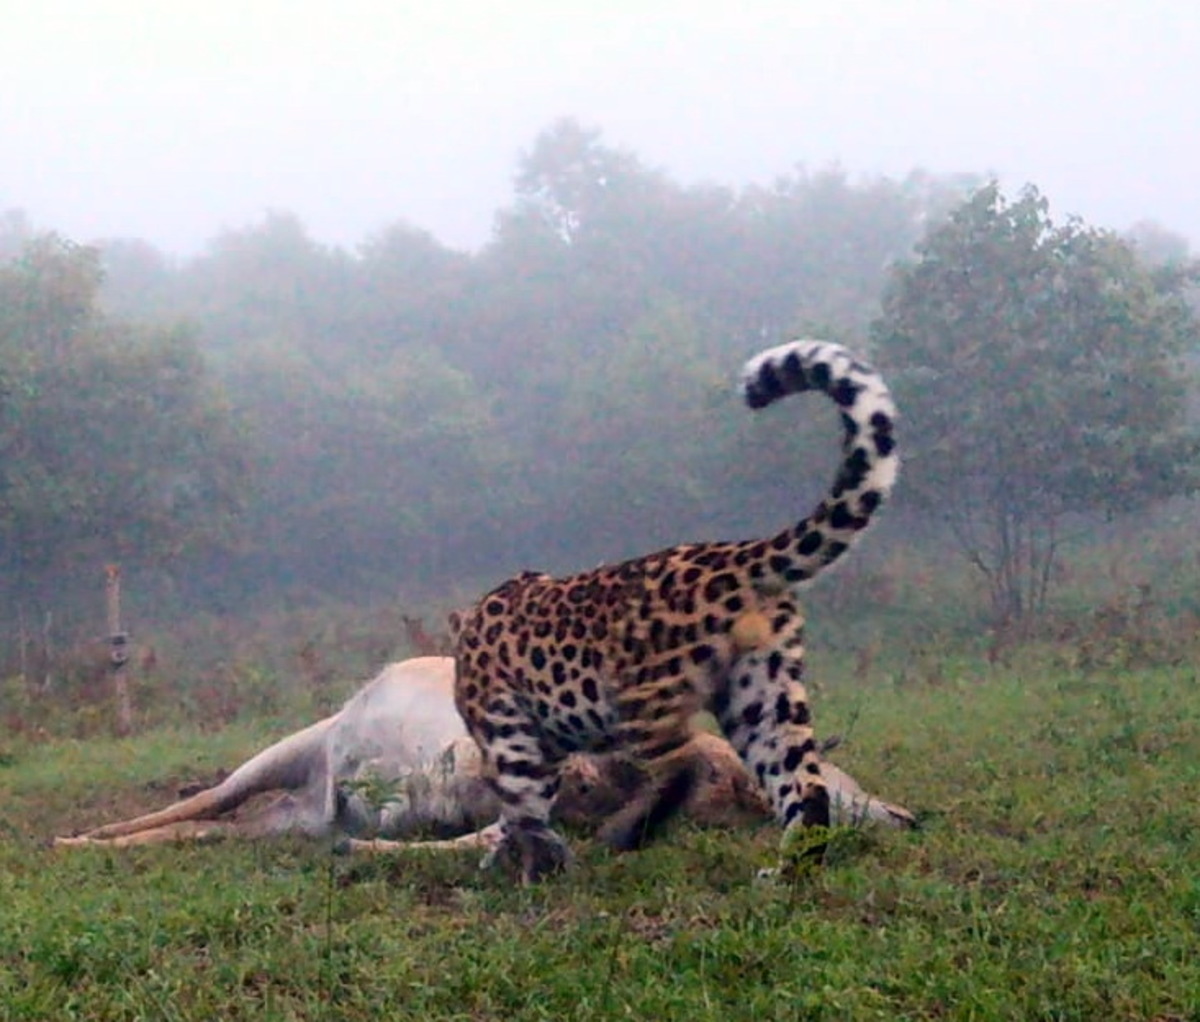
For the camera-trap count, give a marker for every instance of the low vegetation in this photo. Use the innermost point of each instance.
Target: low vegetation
(1055, 877)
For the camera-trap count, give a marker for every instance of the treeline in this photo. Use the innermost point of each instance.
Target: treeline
(277, 421)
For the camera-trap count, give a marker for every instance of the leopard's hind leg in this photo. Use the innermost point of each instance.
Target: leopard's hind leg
(763, 710)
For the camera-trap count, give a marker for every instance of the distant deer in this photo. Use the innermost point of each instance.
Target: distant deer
(421, 642)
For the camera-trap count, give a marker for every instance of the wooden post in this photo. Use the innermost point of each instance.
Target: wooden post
(118, 650)
(47, 652)
(22, 644)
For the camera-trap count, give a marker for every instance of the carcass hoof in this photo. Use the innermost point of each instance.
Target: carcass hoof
(533, 852)
(543, 854)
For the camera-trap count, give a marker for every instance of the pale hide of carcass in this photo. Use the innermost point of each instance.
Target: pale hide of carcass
(396, 762)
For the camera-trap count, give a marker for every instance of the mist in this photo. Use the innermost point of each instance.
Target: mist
(171, 124)
(344, 307)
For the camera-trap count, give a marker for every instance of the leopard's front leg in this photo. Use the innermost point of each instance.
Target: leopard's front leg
(524, 774)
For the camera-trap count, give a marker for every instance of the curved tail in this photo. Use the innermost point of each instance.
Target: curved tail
(869, 459)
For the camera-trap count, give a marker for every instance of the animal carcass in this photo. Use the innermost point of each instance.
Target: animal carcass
(396, 763)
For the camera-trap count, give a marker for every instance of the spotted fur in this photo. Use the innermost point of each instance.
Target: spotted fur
(623, 656)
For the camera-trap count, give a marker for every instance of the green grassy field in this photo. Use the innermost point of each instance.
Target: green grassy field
(1057, 876)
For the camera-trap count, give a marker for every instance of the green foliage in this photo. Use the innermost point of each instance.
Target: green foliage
(267, 282)
(47, 292)
(115, 443)
(364, 464)
(410, 420)
(579, 189)
(1054, 878)
(1039, 369)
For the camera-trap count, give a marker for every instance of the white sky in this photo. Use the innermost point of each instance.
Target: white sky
(172, 119)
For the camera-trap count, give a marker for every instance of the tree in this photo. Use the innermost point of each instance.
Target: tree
(140, 282)
(409, 291)
(379, 475)
(266, 283)
(816, 246)
(573, 183)
(1156, 244)
(115, 442)
(1038, 368)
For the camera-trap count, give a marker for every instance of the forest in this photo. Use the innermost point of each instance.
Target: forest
(277, 424)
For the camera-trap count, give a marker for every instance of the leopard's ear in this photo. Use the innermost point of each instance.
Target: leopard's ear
(454, 621)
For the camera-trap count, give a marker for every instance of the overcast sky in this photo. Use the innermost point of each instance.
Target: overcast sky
(173, 119)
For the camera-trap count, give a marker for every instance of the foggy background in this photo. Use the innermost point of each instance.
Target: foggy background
(170, 122)
(373, 305)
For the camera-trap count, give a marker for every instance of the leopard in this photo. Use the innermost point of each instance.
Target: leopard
(621, 658)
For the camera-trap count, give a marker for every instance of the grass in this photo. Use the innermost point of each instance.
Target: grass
(1057, 877)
